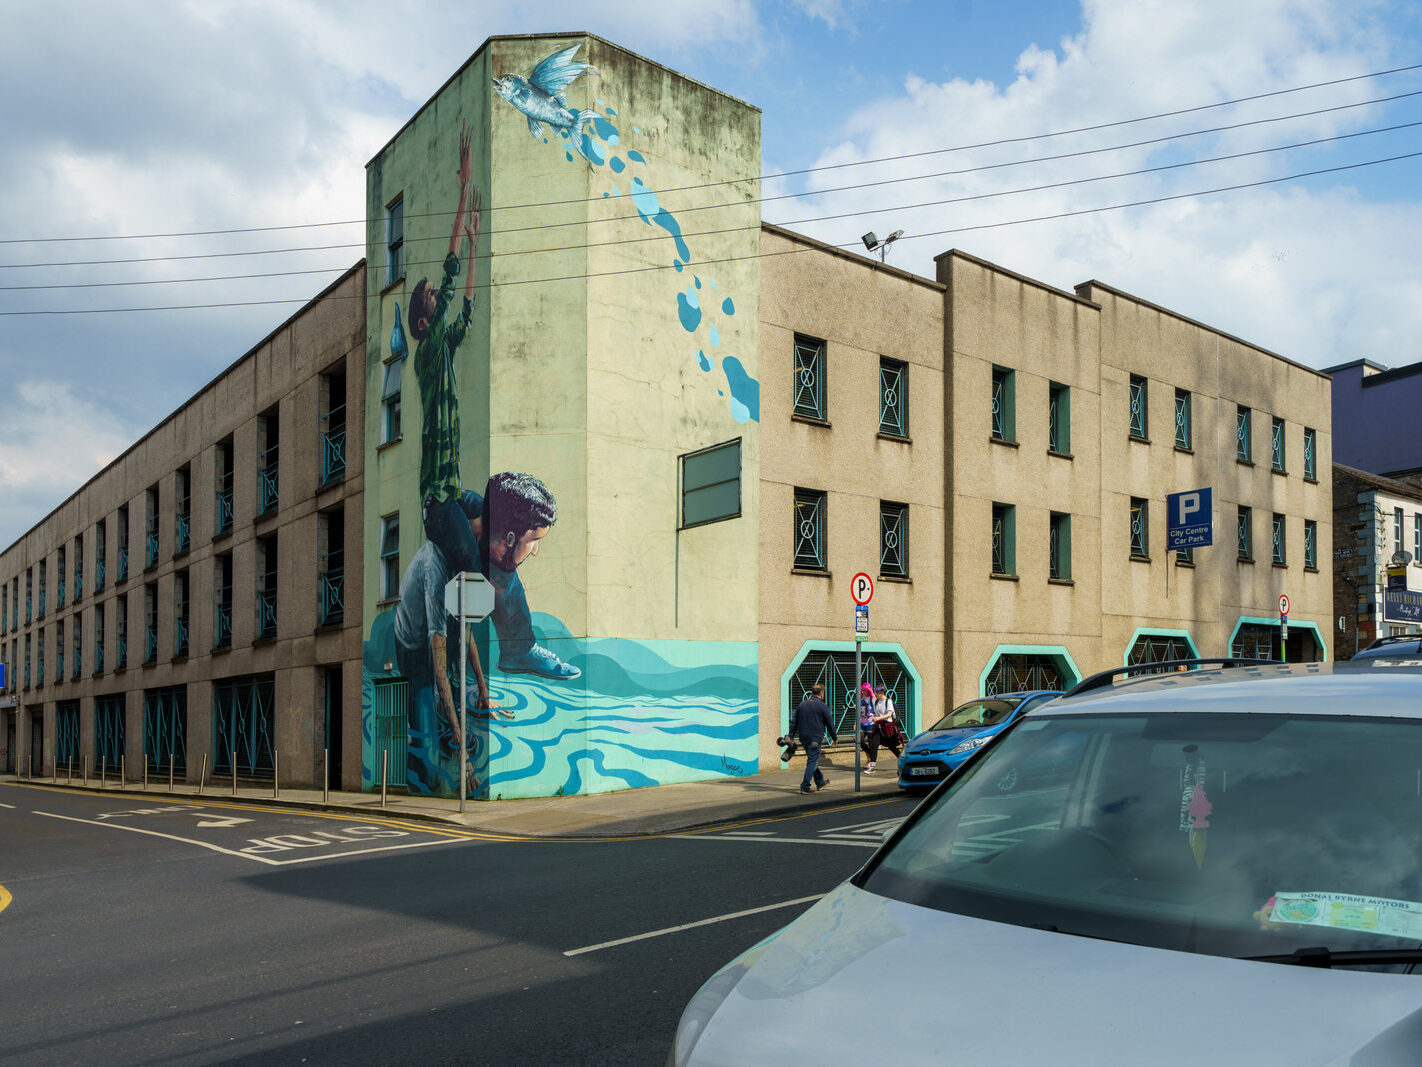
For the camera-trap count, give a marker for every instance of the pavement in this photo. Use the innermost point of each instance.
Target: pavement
(626, 813)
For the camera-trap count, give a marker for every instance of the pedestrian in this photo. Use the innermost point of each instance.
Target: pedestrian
(811, 722)
(866, 717)
(884, 727)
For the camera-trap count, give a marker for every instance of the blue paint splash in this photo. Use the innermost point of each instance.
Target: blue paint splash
(688, 309)
(705, 363)
(635, 156)
(715, 335)
(728, 306)
(745, 391)
(617, 165)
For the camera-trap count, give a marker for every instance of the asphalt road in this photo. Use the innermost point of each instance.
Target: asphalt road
(135, 931)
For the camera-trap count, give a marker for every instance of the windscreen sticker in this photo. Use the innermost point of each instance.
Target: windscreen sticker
(1344, 911)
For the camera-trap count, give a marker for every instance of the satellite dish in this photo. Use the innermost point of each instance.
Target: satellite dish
(1401, 559)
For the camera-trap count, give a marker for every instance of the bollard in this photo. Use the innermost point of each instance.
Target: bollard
(123, 773)
(202, 774)
(325, 776)
(234, 772)
(84, 764)
(70, 779)
(170, 772)
(104, 772)
(276, 774)
(384, 771)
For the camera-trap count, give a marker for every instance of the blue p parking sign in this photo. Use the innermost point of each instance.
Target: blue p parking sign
(1190, 519)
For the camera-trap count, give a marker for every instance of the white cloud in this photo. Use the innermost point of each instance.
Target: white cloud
(51, 442)
(1316, 272)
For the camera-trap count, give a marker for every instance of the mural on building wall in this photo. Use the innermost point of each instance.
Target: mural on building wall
(608, 713)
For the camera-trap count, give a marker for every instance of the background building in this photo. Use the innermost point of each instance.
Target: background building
(1377, 558)
(1375, 418)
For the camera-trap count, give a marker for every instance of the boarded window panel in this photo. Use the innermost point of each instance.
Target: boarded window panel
(712, 503)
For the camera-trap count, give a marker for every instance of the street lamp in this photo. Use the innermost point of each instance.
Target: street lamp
(872, 243)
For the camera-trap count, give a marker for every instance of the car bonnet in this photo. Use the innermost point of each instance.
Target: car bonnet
(861, 978)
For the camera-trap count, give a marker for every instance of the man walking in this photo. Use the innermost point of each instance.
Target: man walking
(811, 722)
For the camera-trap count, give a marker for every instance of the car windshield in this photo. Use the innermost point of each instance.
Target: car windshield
(1231, 834)
(977, 713)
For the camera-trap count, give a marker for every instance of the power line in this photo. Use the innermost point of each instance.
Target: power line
(792, 173)
(762, 255)
(1045, 187)
(761, 200)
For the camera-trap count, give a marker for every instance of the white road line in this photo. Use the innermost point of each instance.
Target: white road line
(247, 856)
(10, 806)
(691, 926)
(778, 840)
(170, 837)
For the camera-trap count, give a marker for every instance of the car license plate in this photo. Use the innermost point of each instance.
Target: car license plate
(924, 772)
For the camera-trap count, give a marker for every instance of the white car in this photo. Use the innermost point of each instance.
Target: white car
(1216, 866)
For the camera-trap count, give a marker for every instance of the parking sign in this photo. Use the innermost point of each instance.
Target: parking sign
(1190, 519)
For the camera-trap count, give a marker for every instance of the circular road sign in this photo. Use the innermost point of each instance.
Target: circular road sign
(1283, 603)
(861, 588)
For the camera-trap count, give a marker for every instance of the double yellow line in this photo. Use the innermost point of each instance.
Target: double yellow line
(5, 898)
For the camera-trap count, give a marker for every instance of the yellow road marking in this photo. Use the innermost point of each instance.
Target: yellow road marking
(5, 898)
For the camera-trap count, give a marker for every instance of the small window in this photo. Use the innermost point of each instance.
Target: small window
(893, 540)
(1184, 432)
(809, 536)
(1244, 432)
(390, 400)
(1310, 545)
(809, 385)
(1139, 407)
(1277, 437)
(390, 557)
(1140, 528)
(1004, 539)
(1185, 555)
(1004, 404)
(711, 484)
(1280, 554)
(1399, 529)
(1059, 418)
(893, 397)
(395, 240)
(1311, 454)
(1246, 533)
(1417, 538)
(1059, 547)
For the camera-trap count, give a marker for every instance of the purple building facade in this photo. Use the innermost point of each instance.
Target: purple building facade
(1376, 424)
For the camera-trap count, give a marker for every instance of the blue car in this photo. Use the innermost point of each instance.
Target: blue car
(934, 754)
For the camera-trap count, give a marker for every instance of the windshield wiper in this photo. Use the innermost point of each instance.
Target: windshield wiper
(1321, 956)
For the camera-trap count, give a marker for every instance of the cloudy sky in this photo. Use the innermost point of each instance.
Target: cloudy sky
(137, 130)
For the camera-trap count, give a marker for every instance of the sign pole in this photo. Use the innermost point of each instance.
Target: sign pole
(463, 697)
(858, 696)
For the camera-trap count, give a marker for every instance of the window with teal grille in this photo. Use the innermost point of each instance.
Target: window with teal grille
(1276, 436)
(66, 736)
(1140, 413)
(1246, 533)
(1244, 435)
(893, 397)
(1004, 539)
(835, 671)
(243, 721)
(809, 533)
(1280, 543)
(1059, 547)
(809, 383)
(1059, 418)
(109, 733)
(893, 539)
(165, 729)
(1310, 544)
(1140, 528)
(1310, 441)
(1184, 415)
(1004, 404)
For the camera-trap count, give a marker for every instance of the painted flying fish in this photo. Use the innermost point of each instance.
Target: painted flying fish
(541, 96)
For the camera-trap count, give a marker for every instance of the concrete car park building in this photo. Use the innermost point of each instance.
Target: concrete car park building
(717, 423)
(187, 607)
